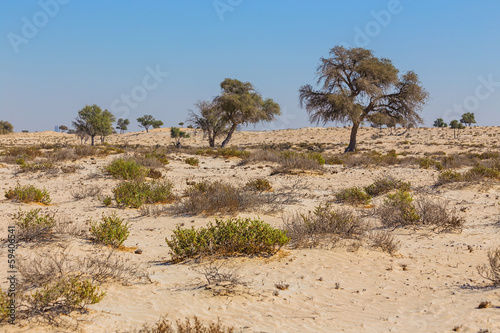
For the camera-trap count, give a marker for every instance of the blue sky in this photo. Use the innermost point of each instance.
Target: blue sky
(56, 56)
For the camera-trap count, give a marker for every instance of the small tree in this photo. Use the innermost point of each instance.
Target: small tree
(148, 121)
(354, 84)
(241, 104)
(440, 123)
(181, 124)
(457, 126)
(6, 127)
(122, 125)
(94, 122)
(210, 120)
(468, 118)
(177, 135)
(63, 128)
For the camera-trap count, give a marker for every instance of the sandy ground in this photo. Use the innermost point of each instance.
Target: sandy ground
(430, 285)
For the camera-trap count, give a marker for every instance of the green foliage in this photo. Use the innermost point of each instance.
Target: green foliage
(440, 123)
(5, 305)
(122, 124)
(148, 121)
(229, 237)
(398, 210)
(126, 169)
(32, 225)
(483, 171)
(6, 127)
(137, 193)
(259, 185)
(353, 196)
(94, 122)
(192, 161)
(107, 201)
(67, 294)
(426, 163)
(28, 193)
(159, 156)
(449, 176)
(209, 119)
(468, 118)
(110, 231)
(177, 134)
(63, 128)
(386, 184)
(455, 124)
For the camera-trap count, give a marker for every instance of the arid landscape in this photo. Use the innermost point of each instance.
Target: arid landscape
(392, 238)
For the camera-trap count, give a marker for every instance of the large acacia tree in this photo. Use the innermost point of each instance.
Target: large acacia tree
(354, 84)
(93, 121)
(241, 104)
(209, 118)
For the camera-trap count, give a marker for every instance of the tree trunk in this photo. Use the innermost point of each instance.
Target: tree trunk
(352, 142)
(92, 139)
(229, 135)
(211, 141)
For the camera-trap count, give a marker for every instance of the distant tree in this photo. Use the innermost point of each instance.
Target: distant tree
(440, 123)
(148, 121)
(457, 126)
(210, 120)
(63, 128)
(190, 126)
(468, 118)
(181, 124)
(241, 104)
(6, 127)
(177, 135)
(354, 84)
(94, 122)
(84, 137)
(122, 125)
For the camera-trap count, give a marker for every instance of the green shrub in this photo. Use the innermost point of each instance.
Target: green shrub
(426, 163)
(32, 225)
(398, 210)
(111, 231)
(126, 169)
(107, 201)
(259, 185)
(136, 193)
(353, 196)
(161, 157)
(386, 184)
(449, 176)
(480, 171)
(323, 225)
(27, 194)
(229, 237)
(155, 174)
(193, 161)
(68, 294)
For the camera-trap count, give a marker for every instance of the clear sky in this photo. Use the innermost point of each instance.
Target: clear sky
(160, 57)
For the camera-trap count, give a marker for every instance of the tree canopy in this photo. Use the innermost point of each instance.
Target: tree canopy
(440, 123)
(6, 127)
(468, 118)
(354, 84)
(94, 122)
(177, 134)
(210, 120)
(122, 124)
(241, 104)
(148, 121)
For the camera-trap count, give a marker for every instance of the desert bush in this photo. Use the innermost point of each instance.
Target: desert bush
(164, 326)
(126, 169)
(68, 169)
(259, 185)
(136, 193)
(193, 161)
(5, 305)
(110, 231)
(398, 210)
(27, 194)
(435, 214)
(426, 163)
(386, 184)
(33, 225)
(107, 201)
(152, 210)
(35, 166)
(24, 152)
(154, 173)
(491, 270)
(481, 171)
(86, 151)
(67, 294)
(289, 161)
(353, 196)
(59, 155)
(150, 160)
(226, 237)
(220, 272)
(323, 226)
(80, 193)
(448, 176)
(385, 241)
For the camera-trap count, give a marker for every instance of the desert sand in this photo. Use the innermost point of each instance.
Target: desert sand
(430, 285)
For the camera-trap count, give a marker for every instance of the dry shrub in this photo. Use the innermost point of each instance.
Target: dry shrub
(187, 326)
(221, 272)
(24, 152)
(448, 176)
(385, 241)
(33, 225)
(154, 173)
(386, 184)
(435, 214)
(150, 160)
(323, 226)
(59, 155)
(68, 169)
(398, 210)
(353, 196)
(259, 185)
(35, 166)
(80, 193)
(289, 161)
(491, 271)
(86, 151)
(153, 210)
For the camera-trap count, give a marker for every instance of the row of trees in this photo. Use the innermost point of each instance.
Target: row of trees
(467, 118)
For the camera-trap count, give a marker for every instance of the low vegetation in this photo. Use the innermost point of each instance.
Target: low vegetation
(136, 193)
(126, 169)
(491, 270)
(27, 194)
(33, 225)
(187, 326)
(193, 161)
(226, 237)
(112, 230)
(386, 184)
(353, 196)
